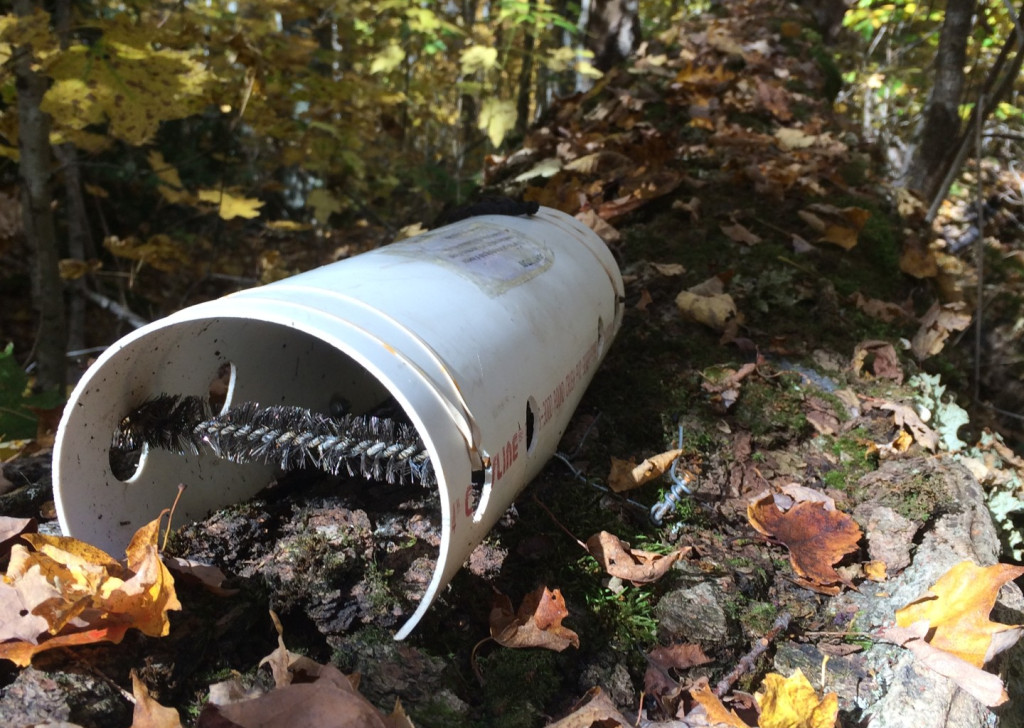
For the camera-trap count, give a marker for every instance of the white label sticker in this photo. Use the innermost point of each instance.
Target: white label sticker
(495, 258)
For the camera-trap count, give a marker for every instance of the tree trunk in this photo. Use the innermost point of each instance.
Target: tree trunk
(526, 77)
(940, 122)
(35, 169)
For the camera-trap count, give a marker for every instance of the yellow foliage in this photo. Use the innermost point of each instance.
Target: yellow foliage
(124, 80)
(388, 59)
(497, 118)
(478, 58)
(231, 206)
(792, 703)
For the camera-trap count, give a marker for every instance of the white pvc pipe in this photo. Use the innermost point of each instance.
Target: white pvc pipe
(485, 332)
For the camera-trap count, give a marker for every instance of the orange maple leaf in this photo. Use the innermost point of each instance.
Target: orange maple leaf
(538, 623)
(817, 537)
(66, 592)
(718, 714)
(957, 608)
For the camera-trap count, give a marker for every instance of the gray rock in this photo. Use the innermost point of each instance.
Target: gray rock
(909, 695)
(693, 614)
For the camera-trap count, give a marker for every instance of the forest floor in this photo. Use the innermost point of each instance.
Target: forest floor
(798, 357)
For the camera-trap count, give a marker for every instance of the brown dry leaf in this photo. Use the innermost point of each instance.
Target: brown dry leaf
(905, 416)
(957, 608)
(792, 703)
(820, 415)
(599, 225)
(81, 594)
(881, 310)
(917, 258)
(595, 710)
(210, 577)
(936, 326)
(816, 538)
(986, 687)
(879, 359)
(626, 475)
(645, 300)
(658, 682)
(718, 714)
(307, 694)
(538, 623)
(635, 565)
(740, 234)
(147, 712)
(320, 703)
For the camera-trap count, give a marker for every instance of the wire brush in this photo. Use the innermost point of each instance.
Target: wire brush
(379, 448)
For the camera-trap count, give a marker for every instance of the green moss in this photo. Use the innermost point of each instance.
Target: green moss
(918, 498)
(771, 410)
(517, 685)
(853, 461)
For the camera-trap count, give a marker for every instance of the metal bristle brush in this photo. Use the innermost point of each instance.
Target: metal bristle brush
(378, 448)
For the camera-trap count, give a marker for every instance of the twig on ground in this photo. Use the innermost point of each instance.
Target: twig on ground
(749, 660)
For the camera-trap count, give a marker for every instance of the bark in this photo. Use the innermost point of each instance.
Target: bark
(525, 78)
(35, 171)
(940, 123)
(80, 244)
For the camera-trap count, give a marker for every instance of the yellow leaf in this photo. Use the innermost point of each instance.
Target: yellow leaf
(388, 59)
(231, 206)
(497, 118)
(792, 703)
(171, 188)
(71, 269)
(324, 204)
(478, 58)
(123, 80)
(957, 608)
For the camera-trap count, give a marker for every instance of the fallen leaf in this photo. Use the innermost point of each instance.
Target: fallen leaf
(792, 703)
(740, 234)
(957, 608)
(875, 570)
(706, 304)
(717, 714)
(626, 475)
(936, 326)
(879, 359)
(669, 269)
(10, 529)
(66, 592)
(595, 710)
(147, 712)
(645, 300)
(538, 623)
(599, 225)
(905, 416)
(658, 681)
(881, 310)
(986, 687)
(635, 565)
(816, 538)
(209, 576)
